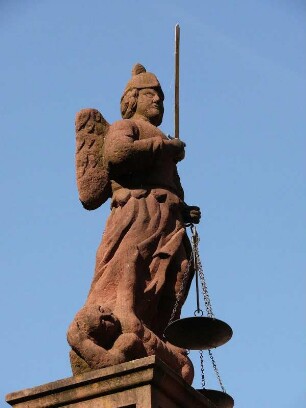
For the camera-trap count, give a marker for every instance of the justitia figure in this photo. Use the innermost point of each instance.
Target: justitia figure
(145, 250)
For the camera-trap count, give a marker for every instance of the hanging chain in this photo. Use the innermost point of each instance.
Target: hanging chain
(195, 259)
(202, 370)
(216, 370)
(200, 270)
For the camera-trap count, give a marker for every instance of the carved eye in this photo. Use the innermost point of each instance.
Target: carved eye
(149, 94)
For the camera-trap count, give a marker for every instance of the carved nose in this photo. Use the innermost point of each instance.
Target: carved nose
(156, 98)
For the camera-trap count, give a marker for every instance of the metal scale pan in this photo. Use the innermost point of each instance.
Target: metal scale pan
(219, 398)
(198, 333)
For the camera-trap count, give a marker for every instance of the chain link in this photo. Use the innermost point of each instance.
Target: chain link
(200, 271)
(198, 265)
(202, 370)
(216, 370)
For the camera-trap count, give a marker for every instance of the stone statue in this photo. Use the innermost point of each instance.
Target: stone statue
(145, 250)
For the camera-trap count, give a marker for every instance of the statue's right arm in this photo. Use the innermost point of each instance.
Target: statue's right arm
(124, 151)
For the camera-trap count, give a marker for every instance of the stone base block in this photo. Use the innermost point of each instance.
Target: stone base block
(143, 383)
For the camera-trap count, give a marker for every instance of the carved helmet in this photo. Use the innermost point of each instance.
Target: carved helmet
(141, 79)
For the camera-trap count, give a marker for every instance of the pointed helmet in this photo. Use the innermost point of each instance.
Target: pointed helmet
(141, 79)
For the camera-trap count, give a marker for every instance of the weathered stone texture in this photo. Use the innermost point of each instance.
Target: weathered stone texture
(143, 256)
(144, 383)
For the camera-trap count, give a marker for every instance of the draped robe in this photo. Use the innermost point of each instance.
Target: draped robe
(144, 251)
(143, 256)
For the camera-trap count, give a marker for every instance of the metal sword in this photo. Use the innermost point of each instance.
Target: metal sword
(177, 82)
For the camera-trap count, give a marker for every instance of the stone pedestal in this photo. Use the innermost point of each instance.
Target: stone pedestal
(143, 383)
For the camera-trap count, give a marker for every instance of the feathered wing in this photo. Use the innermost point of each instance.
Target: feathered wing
(92, 176)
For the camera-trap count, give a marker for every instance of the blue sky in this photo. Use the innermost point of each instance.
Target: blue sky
(243, 100)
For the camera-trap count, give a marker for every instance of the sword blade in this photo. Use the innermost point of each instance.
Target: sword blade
(177, 83)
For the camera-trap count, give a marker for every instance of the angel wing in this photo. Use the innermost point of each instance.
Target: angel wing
(92, 176)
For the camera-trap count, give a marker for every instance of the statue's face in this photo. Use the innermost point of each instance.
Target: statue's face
(150, 105)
